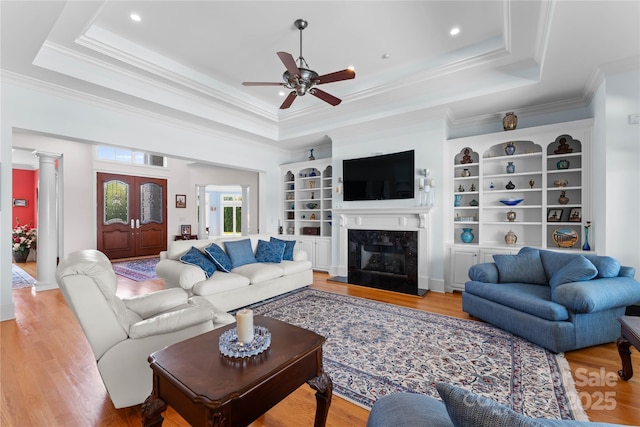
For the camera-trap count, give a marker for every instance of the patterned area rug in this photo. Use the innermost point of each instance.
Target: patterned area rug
(20, 278)
(374, 349)
(138, 270)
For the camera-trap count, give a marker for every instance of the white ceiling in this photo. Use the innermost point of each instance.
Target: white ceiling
(187, 59)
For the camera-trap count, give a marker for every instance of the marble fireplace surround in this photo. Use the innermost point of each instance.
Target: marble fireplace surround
(388, 219)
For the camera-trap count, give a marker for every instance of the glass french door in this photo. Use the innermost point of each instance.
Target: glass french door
(132, 215)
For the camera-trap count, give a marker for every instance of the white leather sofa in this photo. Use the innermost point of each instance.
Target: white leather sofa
(123, 332)
(243, 285)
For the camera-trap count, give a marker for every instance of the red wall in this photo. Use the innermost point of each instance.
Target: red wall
(25, 183)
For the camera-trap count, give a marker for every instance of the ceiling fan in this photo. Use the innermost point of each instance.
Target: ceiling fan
(303, 80)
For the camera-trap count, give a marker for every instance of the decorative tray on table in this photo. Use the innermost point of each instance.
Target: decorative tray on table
(230, 346)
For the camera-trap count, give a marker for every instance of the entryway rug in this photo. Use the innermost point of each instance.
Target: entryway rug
(20, 278)
(138, 270)
(374, 349)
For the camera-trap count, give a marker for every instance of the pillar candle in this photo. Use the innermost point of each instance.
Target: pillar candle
(244, 320)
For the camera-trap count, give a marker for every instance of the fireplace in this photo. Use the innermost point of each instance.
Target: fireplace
(386, 248)
(384, 259)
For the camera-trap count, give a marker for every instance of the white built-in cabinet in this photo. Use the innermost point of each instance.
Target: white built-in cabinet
(549, 170)
(307, 205)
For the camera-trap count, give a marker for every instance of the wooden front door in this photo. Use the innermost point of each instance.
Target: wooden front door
(132, 215)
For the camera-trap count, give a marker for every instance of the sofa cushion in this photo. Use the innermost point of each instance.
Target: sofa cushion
(240, 252)
(525, 267)
(293, 267)
(220, 282)
(219, 257)
(259, 272)
(270, 251)
(195, 256)
(579, 269)
(288, 248)
(606, 265)
(524, 297)
(467, 409)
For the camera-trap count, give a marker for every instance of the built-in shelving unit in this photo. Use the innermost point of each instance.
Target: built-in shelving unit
(307, 206)
(545, 166)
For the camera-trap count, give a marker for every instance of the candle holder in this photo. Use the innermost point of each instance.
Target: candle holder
(231, 347)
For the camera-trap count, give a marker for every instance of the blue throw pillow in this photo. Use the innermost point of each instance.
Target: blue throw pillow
(579, 269)
(195, 257)
(288, 248)
(240, 252)
(467, 409)
(270, 251)
(525, 267)
(219, 257)
(606, 265)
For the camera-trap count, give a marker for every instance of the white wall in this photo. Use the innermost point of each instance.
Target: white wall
(427, 138)
(617, 168)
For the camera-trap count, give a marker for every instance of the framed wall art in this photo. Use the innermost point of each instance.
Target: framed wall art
(181, 200)
(185, 230)
(575, 215)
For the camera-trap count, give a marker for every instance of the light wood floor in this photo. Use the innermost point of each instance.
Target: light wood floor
(49, 377)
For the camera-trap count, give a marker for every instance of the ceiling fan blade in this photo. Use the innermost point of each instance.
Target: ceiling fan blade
(336, 77)
(325, 96)
(289, 100)
(262, 84)
(289, 63)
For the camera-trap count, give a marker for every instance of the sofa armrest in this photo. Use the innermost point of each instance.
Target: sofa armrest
(220, 318)
(486, 272)
(299, 255)
(171, 322)
(179, 274)
(627, 271)
(163, 255)
(150, 304)
(598, 294)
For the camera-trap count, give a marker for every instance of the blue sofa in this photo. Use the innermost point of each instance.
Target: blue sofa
(560, 301)
(459, 408)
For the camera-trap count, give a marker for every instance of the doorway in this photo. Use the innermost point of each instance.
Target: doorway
(132, 215)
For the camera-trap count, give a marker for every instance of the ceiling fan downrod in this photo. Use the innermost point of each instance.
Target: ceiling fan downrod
(301, 24)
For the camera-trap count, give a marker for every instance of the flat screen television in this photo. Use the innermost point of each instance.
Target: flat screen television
(384, 177)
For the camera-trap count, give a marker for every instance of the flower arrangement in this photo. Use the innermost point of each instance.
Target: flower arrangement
(23, 237)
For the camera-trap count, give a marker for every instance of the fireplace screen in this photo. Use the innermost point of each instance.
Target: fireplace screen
(384, 259)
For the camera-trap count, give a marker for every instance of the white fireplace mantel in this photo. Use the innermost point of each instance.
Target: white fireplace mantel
(392, 219)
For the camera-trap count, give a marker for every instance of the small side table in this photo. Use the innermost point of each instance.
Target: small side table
(630, 336)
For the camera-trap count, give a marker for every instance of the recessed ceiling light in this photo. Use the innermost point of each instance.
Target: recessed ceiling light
(281, 93)
(455, 31)
(135, 17)
(386, 56)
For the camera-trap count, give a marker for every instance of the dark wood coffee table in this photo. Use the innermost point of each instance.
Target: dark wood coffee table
(209, 389)
(630, 336)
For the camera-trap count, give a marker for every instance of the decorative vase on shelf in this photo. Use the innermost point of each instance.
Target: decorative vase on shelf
(510, 238)
(510, 149)
(563, 199)
(467, 235)
(511, 168)
(510, 121)
(21, 256)
(510, 186)
(465, 172)
(563, 164)
(311, 156)
(586, 246)
(511, 216)
(456, 199)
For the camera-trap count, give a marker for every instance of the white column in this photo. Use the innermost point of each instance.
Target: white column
(202, 212)
(245, 210)
(47, 253)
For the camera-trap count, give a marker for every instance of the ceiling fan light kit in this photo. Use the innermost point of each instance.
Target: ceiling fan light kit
(301, 79)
